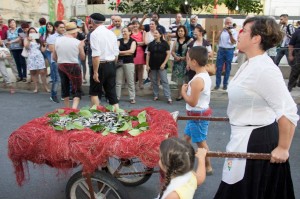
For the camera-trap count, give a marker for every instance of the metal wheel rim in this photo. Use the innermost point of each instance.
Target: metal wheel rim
(103, 192)
(135, 166)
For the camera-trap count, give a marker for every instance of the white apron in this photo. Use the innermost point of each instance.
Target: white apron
(234, 168)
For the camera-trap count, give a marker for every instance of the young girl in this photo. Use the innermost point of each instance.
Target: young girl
(177, 159)
(197, 96)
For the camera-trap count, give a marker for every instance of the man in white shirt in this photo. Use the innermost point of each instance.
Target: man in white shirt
(105, 53)
(59, 32)
(227, 40)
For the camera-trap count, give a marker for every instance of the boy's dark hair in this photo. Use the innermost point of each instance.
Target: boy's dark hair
(284, 15)
(42, 21)
(199, 54)
(267, 29)
(57, 23)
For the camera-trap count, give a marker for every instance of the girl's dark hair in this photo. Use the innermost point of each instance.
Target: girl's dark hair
(42, 21)
(32, 28)
(200, 54)
(200, 29)
(184, 29)
(178, 158)
(267, 29)
(47, 32)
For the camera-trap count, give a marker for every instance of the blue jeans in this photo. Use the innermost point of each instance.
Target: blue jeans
(55, 78)
(224, 56)
(47, 54)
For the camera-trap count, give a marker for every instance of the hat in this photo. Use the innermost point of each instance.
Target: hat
(193, 16)
(71, 28)
(97, 17)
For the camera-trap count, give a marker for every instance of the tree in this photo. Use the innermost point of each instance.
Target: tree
(174, 6)
(245, 6)
(163, 6)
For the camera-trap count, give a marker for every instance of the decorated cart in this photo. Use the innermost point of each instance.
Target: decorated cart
(99, 139)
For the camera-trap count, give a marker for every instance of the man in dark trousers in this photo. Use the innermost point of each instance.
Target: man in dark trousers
(105, 53)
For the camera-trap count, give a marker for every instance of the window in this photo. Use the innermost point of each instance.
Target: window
(91, 2)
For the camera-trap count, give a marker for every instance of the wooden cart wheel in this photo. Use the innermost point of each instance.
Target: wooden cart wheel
(104, 186)
(130, 172)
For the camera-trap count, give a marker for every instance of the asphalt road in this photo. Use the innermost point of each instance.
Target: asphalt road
(49, 183)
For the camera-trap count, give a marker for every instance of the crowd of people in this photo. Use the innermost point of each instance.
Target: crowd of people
(262, 117)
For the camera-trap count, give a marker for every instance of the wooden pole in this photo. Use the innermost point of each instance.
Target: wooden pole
(254, 156)
(220, 119)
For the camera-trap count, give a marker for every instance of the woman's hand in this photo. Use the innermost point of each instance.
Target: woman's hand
(177, 58)
(162, 67)
(147, 68)
(279, 155)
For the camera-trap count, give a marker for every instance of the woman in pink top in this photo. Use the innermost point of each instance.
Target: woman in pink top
(139, 59)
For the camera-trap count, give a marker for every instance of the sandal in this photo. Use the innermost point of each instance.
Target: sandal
(155, 98)
(170, 101)
(132, 101)
(209, 172)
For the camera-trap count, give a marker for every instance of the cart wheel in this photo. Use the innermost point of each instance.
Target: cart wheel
(130, 172)
(104, 185)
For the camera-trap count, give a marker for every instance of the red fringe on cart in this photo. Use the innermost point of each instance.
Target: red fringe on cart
(39, 143)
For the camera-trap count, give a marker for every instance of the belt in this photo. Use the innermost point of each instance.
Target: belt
(225, 48)
(207, 112)
(104, 62)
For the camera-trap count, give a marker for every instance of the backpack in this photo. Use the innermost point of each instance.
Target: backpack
(288, 30)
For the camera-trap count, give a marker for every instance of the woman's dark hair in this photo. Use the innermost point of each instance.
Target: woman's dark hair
(161, 33)
(200, 29)
(267, 29)
(47, 32)
(199, 54)
(32, 28)
(25, 25)
(156, 22)
(42, 21)
(178, 157)
(10, 20)
(184, 29)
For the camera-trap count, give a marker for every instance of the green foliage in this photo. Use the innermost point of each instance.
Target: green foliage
(174, 6)
(245, 6)
(163, 6)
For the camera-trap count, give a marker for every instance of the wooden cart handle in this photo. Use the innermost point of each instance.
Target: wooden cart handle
(222, 119)
(255, 156)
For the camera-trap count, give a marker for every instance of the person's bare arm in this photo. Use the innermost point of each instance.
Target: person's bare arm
(163, 65)
(81, 50)
(196, 87)
(291, 49)
(286, 132)
(130, 51)
(201, 170)
(96, 62)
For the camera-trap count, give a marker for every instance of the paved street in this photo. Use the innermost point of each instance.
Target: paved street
(48, 183)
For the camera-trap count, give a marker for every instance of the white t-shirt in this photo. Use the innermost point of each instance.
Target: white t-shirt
(204, 99)
(67, 50)
(258, 94)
